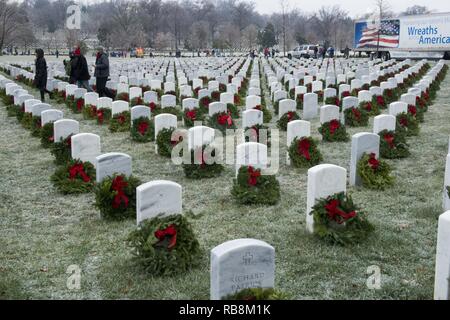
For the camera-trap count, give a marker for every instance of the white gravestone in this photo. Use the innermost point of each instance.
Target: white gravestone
(251, 154)
(328, 113)
(112, 163)
(310, 106)
(217, 107)
(285, 106)
(158, 198)
(362, 143)
(251, 118)
(241, 264)
(442, 277)
(199, 136)
(64, 128)
(51, 115)
(86, 147)
(119, 107)
(396, 108)
(140, 112)
(384, 122)
(447, 184)
(296, 129)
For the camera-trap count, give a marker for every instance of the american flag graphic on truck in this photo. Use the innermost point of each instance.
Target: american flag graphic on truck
(372, 35)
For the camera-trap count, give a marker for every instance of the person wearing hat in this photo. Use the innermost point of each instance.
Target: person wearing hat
(81, 72)
(102, 73)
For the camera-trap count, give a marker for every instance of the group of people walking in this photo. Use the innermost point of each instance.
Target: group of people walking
(77, 70)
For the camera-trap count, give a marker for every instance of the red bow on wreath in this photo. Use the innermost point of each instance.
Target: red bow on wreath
(412, 110)
(142, 127)
(100, 116)
(80, 103)
(118, 185)
(404, 122)
(336, 214)
(253, 176)
(337, 101)
(191, 114)
(303, 148)
(373, 162)
(290, 116)
(258, 107)
(152, 106)
(380, 100)
(334, 125)
(225, 119)
(169, 233)
(368, 106)
(205, 102)
(51, 139)
(78, 170)
(356, 113)
(345, 94)
(389, 138)
(121, 119)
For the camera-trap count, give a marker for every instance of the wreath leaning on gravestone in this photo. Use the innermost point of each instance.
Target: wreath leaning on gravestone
(393, 145)
(221, 121)
(371, 108)
(166, 140)
(89, 112)
(47, 138)
(120, 122)
(282, 123)
(255, 294)
(165, 246)
(407, 124)
(416, 113)
(356, 117)
(143, 130)
(338, 221)
(103, 115)
(251, 187)
(333, 131)
(375, 174)
(199, 168)
(62, 150)
(192, 116)
(36, 126)
(304, 153)
(115, 197)
(74, 177)
(254, 134)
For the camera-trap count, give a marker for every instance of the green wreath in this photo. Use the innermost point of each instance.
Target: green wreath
(165, 143)
(356, 117)
(251, 187)
(233, 110)
(36, 126)
(192, 116)
(221, 121)
(115, 197)
(370, 108)
(74, 177)
(254, 136)
(103, 115)
(407, 125)
(120, 122)
(89, 112)
(169, 110)
(379, 101)
(165, 246)
(334, 131)
(255, 294)
(282, 123)
(199, 168)
(20, 112)
(77, 105)
(333, 101)
(136, 101)
(47, 138)
(299, 99)
(143, 130)
(27, 120)
(338, 221)
(304, 153)
(62, 151)
(417, 113)
(393, 145)
(375, 174)
(276, 107)
(124, 96)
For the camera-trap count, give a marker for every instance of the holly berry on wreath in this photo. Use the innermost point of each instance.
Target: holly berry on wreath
(251, 187)
(304, 153)
(165, 246)
(120, 122)
(338, 221)
(356, 117)
(286, 118)
(393, 145)
(103, 115)
(74, 177)
(143, 130)
(115, 197)
(333, 131)
(407, 124)
(202, 164)
(370, 108)
(375, 174)
(222, 121)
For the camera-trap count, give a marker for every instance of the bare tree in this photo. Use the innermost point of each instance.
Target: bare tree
(416, 10)
(284, 22)
(384, 9)
(11, 18)
(250, 35)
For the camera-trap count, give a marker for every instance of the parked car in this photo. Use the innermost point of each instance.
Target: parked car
(306, 51)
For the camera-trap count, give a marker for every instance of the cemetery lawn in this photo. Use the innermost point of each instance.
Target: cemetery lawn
(43, 232)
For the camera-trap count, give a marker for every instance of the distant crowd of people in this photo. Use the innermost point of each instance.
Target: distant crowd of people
(77, 70)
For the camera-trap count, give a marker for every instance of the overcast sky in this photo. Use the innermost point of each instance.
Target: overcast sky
(354, 7)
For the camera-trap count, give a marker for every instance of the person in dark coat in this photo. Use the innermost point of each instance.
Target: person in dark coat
(40, 77)
(102, 73)
(81, 72)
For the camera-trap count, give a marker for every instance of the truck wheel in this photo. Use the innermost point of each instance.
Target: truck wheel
(447, 55)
